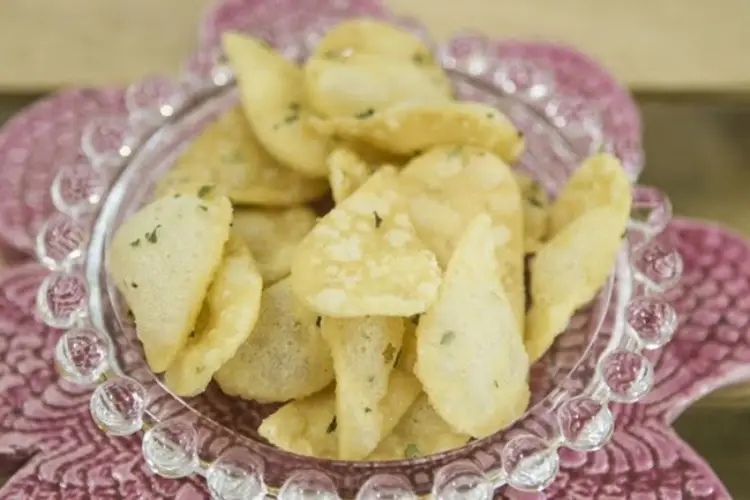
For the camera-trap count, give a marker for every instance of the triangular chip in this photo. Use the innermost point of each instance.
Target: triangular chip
(470, 354)
(364, 258)
(447, 187)
(567, 272)
(273, 236)
(272, 93)
(162, 260)
(348, 87)
(228, 156)
(411, 127)
(364, 351)
(230, 311)
(420, 433)
(284, 357)
(346, 172)
(600, 181)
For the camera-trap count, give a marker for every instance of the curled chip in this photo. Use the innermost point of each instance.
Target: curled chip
(535, 212)
(364, 258)
(410, 127)
(228, 156)
(162, 260)
(284, 357)
(568, 271)
(309, 426)
(272, 93)
(420, 433)
(450, 185)
(229, 314)
(362, 82)
(364, 351)
(346, 172)
(470, 354)
(600, 181)
(273, 236)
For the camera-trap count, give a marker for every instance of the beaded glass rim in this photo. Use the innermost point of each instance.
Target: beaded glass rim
(177, 442)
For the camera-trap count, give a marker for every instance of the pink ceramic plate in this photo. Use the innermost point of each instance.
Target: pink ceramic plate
(46, 429)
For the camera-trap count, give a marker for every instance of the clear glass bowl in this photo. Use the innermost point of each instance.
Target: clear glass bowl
(602, 356)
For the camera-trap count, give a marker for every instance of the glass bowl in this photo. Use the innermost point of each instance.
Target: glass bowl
(601, 358)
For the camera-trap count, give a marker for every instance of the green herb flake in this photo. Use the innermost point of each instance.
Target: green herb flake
(490, 115)
(371, 379)
(135, 243)
(497, 386)
(134, 284)
(291, 118)
(204, 190)
(177, 195)
(368, 410)
(365, 114)
(332, 426)
(378, 220)
(203, 207)
(533, 201)
(419, 58)
(389, 353)
(412, 451)
(447, 337)
(153, 237)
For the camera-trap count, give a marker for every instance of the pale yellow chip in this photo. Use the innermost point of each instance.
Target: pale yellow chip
(272, 93)
(364, 351)
(567, 272)
(369, 36)
(420, 433)
(535, 212)
(363, 83)
(273, 236)
(364, 258)
(227, 155)
(284, 357)
(470, 354)
(411, 127)
(601, 181)
(309, 426)
(230, 311)
(447, 187)
(162, 260)
(347, 172)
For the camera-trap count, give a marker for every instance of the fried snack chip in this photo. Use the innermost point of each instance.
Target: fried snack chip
(272, 93)
(364, 258)
(447, 187)
(535, 212)
(364, 351)
(162, 260)
(600, 181)
(273, 236)
(362, 82)
(229, 314)
(420, 433)
(411, 127)
(470, 354)
(284, 357)
(309, 426)
(407, 357)
(228, 155)
(346, 172)
(567, 272)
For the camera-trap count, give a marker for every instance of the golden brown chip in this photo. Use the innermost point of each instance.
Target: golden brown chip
(273, 236)
(227, 155)
(162, 260)
(420, 433)
(535, 212)
(346, 173)
(447, 187)
(361, 83)
(412, 127)
(470, 354)
(364, 351)
(230, 311)
(364, 258)
(600, 181)
(284, 357)
(272, 93)
(567, 272)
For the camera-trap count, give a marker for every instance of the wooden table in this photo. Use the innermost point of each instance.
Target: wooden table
(697, 149)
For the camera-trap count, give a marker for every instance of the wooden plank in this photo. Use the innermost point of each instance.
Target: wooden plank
(664, 45)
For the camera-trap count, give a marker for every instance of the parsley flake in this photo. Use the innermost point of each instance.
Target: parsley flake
(419, 58)
(365, 114)
(332, 426)
(134, 284)
(153, 237)
(378, 220)
(368, 410)
(497, 386)
(411, 451)
(203, 207)
(135, 243)
(447, 337)
(389, 353)
(204, 190)
(490, 115)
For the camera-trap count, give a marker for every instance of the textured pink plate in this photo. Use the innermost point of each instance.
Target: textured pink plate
(47, 422)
